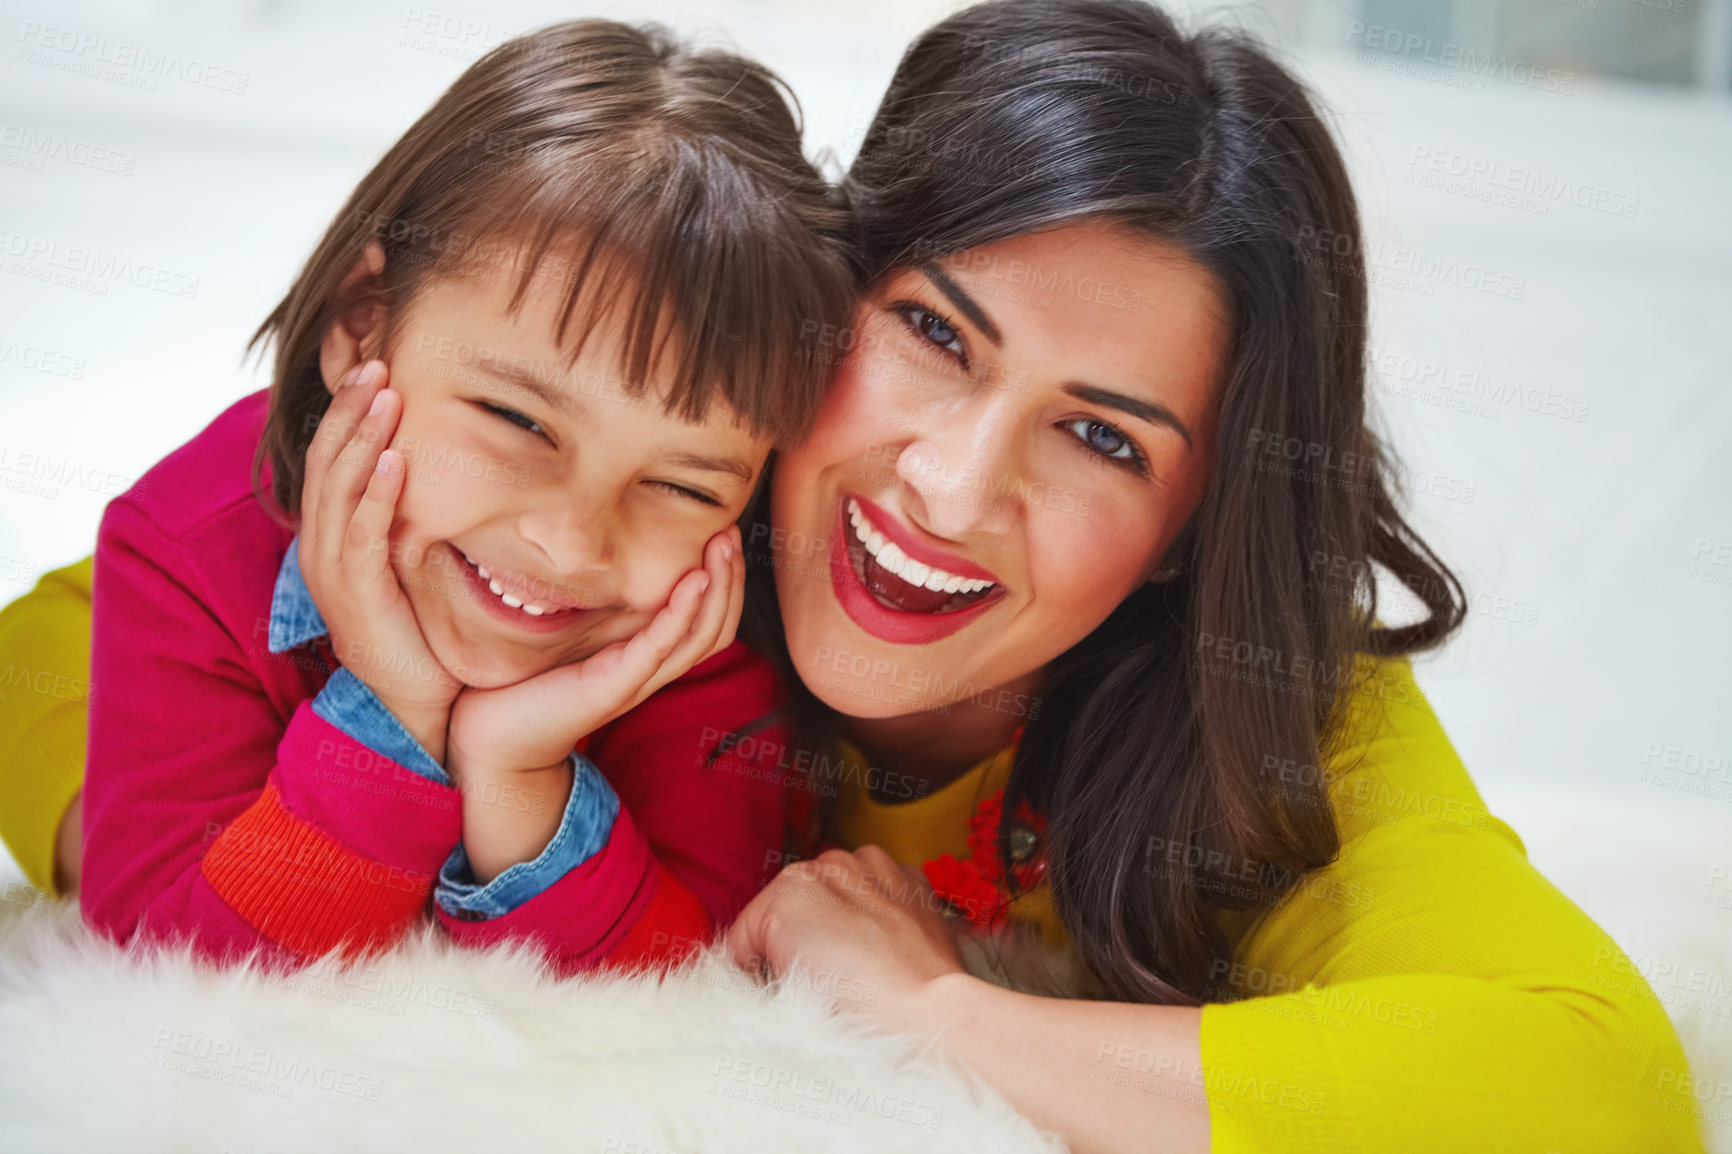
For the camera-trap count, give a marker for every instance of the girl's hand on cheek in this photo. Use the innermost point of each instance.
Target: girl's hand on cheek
(348, 501)
(537, 722)
(514, 741)
(870, 925)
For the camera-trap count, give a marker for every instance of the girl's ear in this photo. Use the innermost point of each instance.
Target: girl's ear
(358, 333)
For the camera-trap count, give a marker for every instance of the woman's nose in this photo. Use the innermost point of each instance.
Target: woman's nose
(962, 474)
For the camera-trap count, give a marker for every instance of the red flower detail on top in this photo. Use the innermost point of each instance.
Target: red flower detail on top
(960, 885)
(975, 886)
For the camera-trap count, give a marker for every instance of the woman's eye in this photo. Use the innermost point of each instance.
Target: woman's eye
(1106, 440)
(515, 418)
(935, 329)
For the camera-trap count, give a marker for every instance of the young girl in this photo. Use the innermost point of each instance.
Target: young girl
(526, 382)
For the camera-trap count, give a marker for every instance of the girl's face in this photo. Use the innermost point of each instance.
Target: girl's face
(546, 513)
(1016, 437)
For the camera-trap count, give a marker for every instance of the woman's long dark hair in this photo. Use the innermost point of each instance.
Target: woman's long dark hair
(1150, 758)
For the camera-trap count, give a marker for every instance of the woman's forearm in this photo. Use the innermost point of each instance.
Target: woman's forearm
(1107, 1076)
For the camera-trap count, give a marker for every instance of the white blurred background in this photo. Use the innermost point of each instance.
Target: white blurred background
(1569, 435)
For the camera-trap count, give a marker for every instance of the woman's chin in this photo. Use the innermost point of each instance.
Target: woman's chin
(866, 699)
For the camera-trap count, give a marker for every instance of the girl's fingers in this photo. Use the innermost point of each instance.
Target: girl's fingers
(704, 636)
(338, 426)
(628, 675)
(368, 541)
(713, 613)
(736, 596)
(348, 474)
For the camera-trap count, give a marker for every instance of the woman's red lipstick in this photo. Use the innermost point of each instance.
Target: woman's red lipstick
(902, 627)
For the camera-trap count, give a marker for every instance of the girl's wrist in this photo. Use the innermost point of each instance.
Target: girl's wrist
(426, 726)
(510, 816)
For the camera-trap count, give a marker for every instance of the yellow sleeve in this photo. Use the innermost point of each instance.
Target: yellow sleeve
(1430, 990)
(44, 703)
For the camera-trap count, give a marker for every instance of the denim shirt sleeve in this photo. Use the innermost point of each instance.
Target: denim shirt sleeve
(583, 831)
(348, 704)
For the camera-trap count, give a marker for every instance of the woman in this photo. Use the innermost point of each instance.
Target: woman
(1089, 518)
(1109, 365)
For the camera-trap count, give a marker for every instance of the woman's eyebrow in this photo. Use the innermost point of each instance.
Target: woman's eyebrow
(1135, 406)
(964, 303)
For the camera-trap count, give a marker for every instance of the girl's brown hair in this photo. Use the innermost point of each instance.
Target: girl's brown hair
(659, 183)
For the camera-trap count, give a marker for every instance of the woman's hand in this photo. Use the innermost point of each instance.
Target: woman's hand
(348, 500)
(866, 927)
(513, 741)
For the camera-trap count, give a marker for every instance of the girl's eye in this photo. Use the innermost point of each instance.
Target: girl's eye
(1107, 441)
(934, 329)
(681, 490)
(526, 423)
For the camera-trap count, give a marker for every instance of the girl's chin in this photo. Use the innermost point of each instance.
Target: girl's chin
(487, 670)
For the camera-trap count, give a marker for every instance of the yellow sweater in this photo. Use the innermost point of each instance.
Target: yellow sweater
(1427, 991)
(44, 687)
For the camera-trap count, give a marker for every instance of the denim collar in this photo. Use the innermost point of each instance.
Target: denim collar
(295, 619)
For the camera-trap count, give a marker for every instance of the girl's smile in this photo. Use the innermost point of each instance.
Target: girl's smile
(532, 605)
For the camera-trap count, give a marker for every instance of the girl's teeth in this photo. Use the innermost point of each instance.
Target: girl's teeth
(530, 608)
(894, 559)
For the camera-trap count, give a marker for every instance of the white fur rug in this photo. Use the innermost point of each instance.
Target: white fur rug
(430, 1049)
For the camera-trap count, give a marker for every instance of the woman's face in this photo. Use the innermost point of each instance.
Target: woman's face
(1016, 436)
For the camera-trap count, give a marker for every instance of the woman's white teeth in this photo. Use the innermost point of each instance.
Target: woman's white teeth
(891, 557)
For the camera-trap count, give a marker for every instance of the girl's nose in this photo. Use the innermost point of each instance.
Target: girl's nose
(574, 539)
